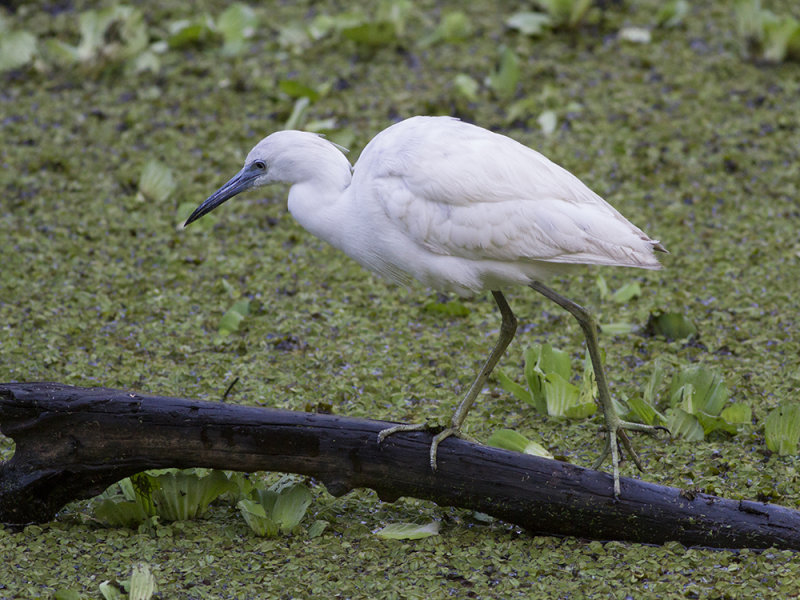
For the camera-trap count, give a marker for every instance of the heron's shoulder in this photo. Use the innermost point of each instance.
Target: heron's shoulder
(422, 144)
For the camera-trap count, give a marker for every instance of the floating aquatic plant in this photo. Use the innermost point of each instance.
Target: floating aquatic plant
(278, 509)
(508, 439)
(548, 372)
(698, 404)
(169, 494)
(767, 36)
(782, 429)
(408, 531)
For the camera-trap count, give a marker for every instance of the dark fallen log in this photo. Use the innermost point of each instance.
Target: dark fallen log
(71, 443)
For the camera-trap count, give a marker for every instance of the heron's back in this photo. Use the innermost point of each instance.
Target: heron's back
(479, 207)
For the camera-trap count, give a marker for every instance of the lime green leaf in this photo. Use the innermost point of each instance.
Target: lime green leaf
(600, 281)
(466, 86)
(60, 53)
(644, 408)
(581, 410)
(296, 89)
(645, 412)
(585, 405)
(627, 292)
(142, 583)
(279, 508)
(325, 24)
(454, 26)
(66, 595)
(191, 32)
(566, 13)
(705, 390)
(186, 494)
(112, 590)
(505, 79)
(143, 487)
(373, 34)
(408, 531)
(17, 48)
(711, 423)
(534, 376)
(548, 121)
(750, 22)
(671, 14)
(256, 518)
(126, 486)
(541, 361)
(729, 420)
(793, 46)
(295, 37)
(290, 506)
(237, 23)
(553, 360)
(671, 325)
(777, 36)
(114, 33)
(241, 484)
(683, 425)
(146, 61)
(560, 395)
(156, 182)
(514, 388)
(782, 429)
(529, 23)
(120, 513)
(737, 414)
(508, 439)
(683, 397)
(317, 527)
(295, 119)
(266, 498)
(233, 318)
(395, 12)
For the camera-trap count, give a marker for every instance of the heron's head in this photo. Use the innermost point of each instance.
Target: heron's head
(284, 156)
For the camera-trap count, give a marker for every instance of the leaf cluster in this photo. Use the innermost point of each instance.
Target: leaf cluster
(698, 404)
(765, 35)
(548, 374)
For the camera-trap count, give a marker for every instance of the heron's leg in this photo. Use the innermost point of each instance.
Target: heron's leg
(615, 426)
(508, 328)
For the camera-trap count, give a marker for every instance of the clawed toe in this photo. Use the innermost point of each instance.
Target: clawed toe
(442, 435)
(384, 433)
(617, 440)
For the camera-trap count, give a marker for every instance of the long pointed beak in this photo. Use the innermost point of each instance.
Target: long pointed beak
(237, 184)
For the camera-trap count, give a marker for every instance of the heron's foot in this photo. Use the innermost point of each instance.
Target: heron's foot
(442, 436)
(437, 439)
(615, 436)
(384, 433)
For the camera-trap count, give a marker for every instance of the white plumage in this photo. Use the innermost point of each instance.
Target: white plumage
(458, 208)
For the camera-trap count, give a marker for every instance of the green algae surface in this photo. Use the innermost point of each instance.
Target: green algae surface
(99, 286)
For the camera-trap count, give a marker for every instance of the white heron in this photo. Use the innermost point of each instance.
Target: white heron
(460, 209)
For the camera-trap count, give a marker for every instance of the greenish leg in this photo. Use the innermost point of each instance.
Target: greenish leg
(507, 330)
(615, 427)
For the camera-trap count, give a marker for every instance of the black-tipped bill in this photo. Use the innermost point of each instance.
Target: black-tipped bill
(237, 184)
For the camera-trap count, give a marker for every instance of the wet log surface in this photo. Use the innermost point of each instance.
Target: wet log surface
(71, 443)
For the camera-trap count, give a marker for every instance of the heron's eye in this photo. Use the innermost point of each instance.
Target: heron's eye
(260, 165)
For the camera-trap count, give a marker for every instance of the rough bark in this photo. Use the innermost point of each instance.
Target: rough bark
(71, 443)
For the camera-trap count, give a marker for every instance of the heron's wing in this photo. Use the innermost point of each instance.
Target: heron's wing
(477, 195)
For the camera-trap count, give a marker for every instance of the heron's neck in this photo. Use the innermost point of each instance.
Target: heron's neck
(321, 203)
